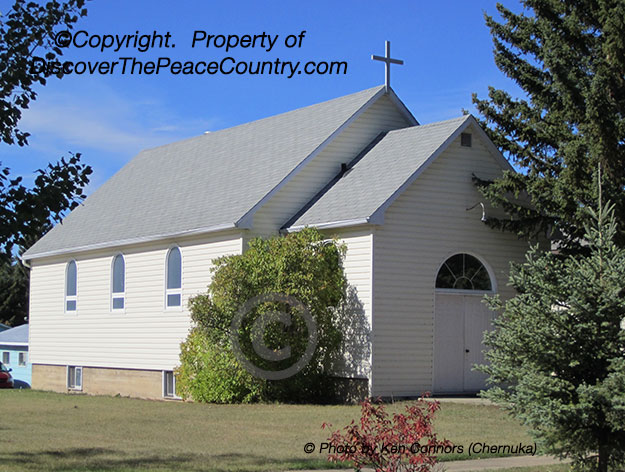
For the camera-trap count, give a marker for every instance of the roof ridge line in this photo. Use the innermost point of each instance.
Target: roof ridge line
(253, 122)
(434, 123)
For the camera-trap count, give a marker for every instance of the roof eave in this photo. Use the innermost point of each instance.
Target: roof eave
(332, 224)
(127, 242)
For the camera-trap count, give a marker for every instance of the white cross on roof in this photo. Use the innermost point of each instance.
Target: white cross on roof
(387, 61)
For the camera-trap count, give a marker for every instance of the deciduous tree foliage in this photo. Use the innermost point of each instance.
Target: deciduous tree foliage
(27, 213)
(568, 57)
(26, 28)
(303, 265)
(559, 349)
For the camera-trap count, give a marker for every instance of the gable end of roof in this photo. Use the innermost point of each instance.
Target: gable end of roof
(378, 215)
(383, 172)
(246, 221)
(402, 108)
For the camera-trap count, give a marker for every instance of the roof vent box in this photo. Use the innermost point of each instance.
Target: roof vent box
(465, 139)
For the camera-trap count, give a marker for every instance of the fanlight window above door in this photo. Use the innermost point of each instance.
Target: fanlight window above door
(463, 272)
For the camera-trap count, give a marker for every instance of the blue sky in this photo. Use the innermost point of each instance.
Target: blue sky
(446, 47)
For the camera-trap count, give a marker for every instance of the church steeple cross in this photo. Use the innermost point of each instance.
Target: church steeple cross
(387, 61)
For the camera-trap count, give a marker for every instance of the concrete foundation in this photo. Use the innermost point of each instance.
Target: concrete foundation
(101, 381)
(149, 383)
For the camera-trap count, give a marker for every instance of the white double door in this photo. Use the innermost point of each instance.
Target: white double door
(459, 324)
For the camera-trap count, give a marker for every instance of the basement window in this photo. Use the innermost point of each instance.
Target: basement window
(169, 384)
(465, 139)
(74, 378)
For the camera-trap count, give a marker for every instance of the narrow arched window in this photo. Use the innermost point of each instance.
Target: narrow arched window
(118, 283)
(70, 286)
(173, 288)
(463, 272)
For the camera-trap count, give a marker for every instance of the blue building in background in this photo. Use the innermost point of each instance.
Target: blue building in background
(14, 354)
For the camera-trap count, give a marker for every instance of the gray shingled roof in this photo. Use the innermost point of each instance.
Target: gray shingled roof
(199, 184)
(15, 336)
(377, 177)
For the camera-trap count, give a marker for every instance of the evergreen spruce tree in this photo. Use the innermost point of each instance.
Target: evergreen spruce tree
(568, 57)
(557, 356)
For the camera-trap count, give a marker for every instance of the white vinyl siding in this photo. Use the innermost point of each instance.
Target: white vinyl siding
(357, 320)
(145, 336)
(383, 115)
(427, 224)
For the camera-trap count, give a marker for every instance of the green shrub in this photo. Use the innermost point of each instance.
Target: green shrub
(210, 373)
(302, 265)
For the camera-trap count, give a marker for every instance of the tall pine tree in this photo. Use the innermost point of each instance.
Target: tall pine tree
(557, 351)
(568, 57)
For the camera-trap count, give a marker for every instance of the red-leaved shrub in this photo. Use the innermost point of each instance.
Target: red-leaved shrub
(404, 443)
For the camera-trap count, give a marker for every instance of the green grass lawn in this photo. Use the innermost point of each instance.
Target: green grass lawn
(57, 432)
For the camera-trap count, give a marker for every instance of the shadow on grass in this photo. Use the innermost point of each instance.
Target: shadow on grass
(102, 459)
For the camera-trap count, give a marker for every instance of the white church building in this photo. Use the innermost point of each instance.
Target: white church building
(110, 285)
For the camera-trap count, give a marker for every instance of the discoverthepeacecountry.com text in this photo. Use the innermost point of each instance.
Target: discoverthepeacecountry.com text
(213, 43)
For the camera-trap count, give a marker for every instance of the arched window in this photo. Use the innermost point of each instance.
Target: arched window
(70, 286)
(173, 288)
(463, 272)
(118, 283)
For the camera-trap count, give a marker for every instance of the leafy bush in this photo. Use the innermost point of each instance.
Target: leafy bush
(405, 442)
(302, 265)
(210, 373)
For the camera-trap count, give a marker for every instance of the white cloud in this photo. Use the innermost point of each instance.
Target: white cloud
(105, 121)
(98, 121)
